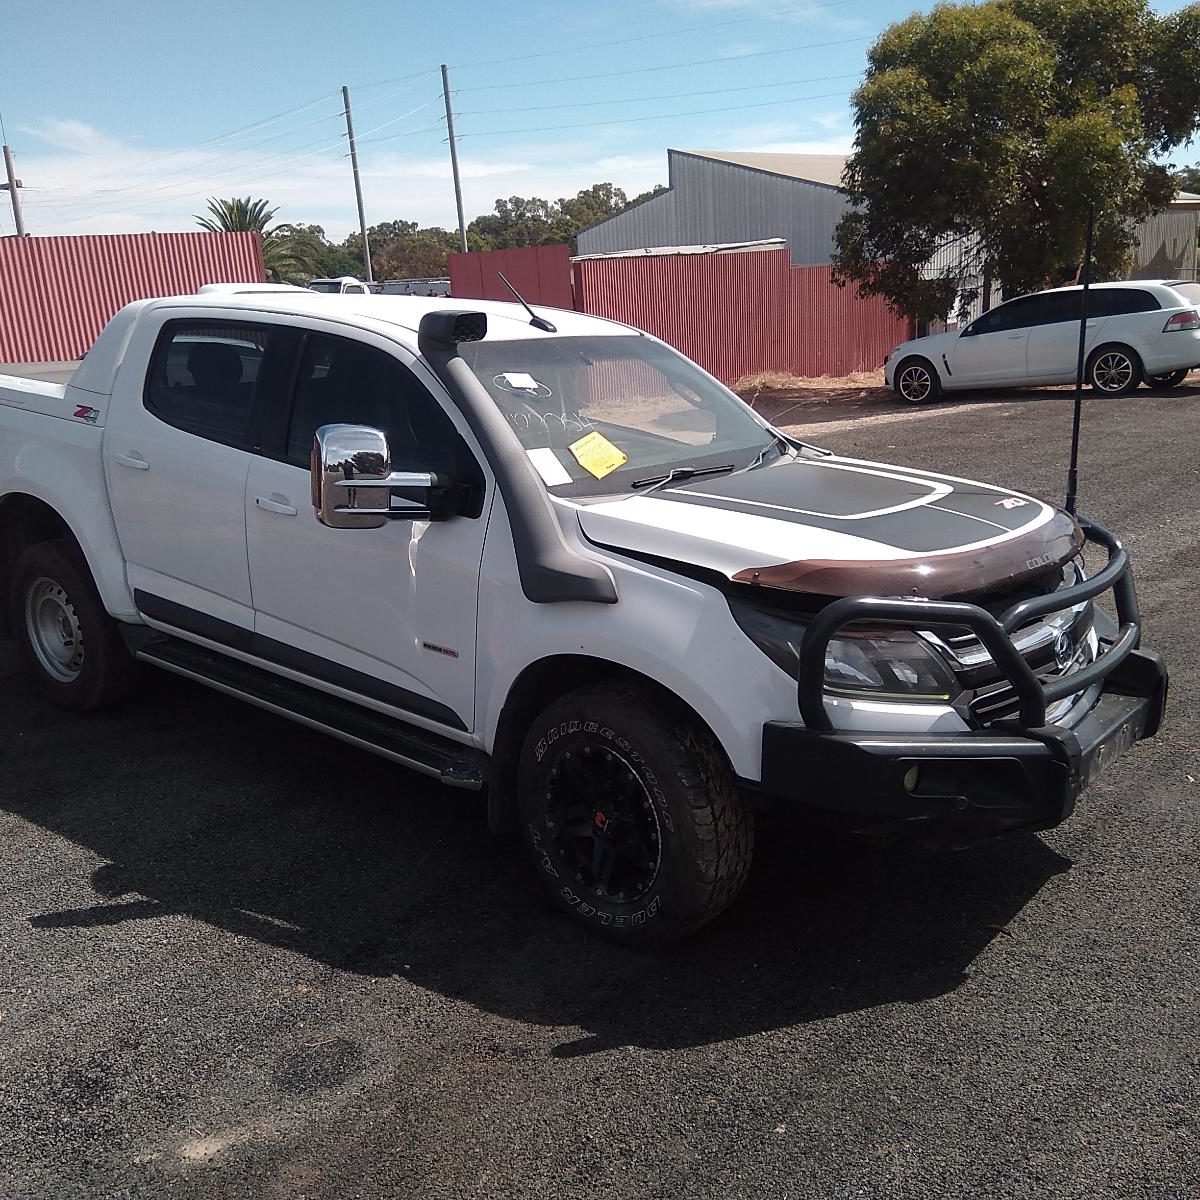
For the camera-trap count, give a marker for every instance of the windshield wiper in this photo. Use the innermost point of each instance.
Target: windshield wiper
(676, 474)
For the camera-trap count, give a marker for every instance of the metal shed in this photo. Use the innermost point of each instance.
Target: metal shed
(719, 197)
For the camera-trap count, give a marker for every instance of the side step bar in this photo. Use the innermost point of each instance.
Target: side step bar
(454, 764)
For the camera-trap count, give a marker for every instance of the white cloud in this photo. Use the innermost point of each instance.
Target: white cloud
(80, 180)
(828, 15)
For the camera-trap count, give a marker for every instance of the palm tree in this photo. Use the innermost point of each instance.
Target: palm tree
(237, 216)
(246, 215)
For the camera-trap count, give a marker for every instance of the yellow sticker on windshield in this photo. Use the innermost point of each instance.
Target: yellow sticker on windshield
(597, 455)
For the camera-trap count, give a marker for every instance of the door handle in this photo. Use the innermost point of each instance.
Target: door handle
(134, 460)
(1012, 337)
(271, 504)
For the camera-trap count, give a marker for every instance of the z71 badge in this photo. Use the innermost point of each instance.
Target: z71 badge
(85, 413)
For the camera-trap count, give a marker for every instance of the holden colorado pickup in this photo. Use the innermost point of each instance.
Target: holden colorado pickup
(547, 557)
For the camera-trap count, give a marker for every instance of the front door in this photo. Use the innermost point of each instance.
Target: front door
(387, 615)
(992, 348)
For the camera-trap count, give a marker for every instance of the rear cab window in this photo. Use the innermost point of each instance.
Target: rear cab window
(205, 378)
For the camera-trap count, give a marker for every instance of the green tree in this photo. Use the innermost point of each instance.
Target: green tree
(984, 130)
(532, 221)
(1187, 179)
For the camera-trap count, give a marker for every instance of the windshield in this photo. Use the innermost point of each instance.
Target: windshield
(597, 413)
(325, 285)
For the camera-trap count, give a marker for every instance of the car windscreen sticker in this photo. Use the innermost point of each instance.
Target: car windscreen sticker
(597, 455)
(521, 383)
(546, 462)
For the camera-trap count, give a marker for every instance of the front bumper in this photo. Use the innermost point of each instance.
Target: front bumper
(961, 787)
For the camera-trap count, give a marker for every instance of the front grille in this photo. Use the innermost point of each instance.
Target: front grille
(993, 698)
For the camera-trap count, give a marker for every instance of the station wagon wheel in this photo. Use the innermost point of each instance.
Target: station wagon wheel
(1169, 380)
(916, 381)
(1114, 370)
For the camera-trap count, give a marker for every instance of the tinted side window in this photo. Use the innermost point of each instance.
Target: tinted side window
(203, 378)
(1016, 314)
(1061, 306)
(341, 381)
(1115, 302)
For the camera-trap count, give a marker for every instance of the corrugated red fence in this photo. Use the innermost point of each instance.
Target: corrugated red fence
(736, 313)
(740, 313)
(57, 293)
(537, 272)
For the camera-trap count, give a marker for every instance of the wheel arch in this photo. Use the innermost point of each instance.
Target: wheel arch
(539, 684)
(26, 520)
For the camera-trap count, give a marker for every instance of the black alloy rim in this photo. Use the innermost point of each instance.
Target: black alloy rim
(602, 822)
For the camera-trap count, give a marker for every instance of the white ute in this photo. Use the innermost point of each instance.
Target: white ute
(554, 560)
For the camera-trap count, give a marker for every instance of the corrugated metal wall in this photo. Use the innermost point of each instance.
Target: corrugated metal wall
(1166, 245)
(740, 313)
(712, 202)
(57, 293)
(542, 274)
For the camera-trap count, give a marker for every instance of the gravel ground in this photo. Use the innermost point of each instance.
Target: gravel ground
(240, 960)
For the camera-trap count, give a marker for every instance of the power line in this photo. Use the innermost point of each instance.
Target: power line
(752, 87)
(186, 174)
(698, 62)
(657, 117)
(645, 37)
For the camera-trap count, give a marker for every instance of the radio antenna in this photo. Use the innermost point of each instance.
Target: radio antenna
(534, 320)
(1073, 469)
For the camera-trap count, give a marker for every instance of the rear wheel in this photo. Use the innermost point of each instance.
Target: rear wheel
(632, 815)
(1114, 370)
(71, 647)
(1169, 380)
(916, 381)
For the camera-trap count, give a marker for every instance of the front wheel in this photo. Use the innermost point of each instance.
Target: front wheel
(71, 647)
(632, 815)
(1114, 371)
(916, 381)
(1169, 380)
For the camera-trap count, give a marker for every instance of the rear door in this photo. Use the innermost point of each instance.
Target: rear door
(1053, 348)
(177, 449)
(992, 348)
(387, 615)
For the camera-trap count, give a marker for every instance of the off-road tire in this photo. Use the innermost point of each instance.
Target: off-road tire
(1114, 370)
(916, 381)
(104, 671)
(680, 781)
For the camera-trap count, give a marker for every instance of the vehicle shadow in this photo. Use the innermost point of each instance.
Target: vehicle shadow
(205, 807)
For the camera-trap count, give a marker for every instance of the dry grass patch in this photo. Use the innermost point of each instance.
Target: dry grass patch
(769, 383)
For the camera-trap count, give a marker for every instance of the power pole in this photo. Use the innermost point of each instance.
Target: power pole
(13, 184)
(362, 217)
(462, 225)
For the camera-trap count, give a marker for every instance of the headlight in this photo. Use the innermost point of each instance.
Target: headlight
(884, 666)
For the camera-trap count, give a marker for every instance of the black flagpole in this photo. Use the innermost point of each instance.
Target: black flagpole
(1073, 470)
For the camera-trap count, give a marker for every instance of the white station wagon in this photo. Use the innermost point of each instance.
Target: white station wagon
(1146, 330)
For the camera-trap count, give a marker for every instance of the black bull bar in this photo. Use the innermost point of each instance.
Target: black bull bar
(995, 633)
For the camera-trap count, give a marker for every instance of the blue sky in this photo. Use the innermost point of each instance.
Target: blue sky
(125, 116)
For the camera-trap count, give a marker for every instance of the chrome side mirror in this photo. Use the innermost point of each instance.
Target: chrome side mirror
(352, 480)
